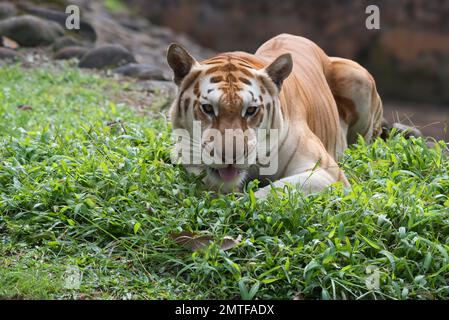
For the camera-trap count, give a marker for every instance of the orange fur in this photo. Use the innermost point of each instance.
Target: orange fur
(321, 106)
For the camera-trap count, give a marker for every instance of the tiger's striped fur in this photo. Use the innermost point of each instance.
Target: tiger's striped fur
(318, 103)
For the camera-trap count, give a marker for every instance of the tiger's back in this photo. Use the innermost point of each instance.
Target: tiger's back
(316, 91)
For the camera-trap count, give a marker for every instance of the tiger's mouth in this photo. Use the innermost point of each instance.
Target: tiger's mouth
(228, 175)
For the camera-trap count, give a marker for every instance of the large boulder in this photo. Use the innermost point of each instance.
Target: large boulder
(106, 56)
(86, 31)
(29, 31)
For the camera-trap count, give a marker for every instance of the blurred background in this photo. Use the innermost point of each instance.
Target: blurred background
(408, 56)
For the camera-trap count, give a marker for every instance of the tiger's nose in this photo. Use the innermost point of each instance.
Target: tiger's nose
(233, 151)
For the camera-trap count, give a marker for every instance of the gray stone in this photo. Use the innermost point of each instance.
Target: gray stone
(142, 71)
(86, 31)
(29, 31)
(70, 53)
(8, 54)
(106, 56)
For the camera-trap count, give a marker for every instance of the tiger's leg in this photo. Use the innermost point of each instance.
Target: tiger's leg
(310, 168)
(308, 182)
(359, 104)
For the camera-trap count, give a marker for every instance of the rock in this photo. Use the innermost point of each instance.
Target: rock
(147, 42)
(64, 42)
(7, 10)
(8, 54)
(106, 56)
(70, 53)
(407, 131)
(142, 71)
(86, 31)
(29, 31)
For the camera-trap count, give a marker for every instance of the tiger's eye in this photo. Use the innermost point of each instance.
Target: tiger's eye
(207, 109)
(251, 111)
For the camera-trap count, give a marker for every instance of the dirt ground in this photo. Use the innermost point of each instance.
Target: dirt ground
(432, 120)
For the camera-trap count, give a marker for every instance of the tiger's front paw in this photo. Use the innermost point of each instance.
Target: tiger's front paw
(262, 193)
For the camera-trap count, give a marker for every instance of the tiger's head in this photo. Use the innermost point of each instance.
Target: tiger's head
(232, 95)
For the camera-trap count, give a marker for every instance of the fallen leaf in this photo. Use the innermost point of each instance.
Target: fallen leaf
(194, 242)
(24, 107)
(191, 241)
(229, 242)
(9, 43)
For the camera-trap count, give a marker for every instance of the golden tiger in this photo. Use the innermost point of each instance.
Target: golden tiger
(317, 104)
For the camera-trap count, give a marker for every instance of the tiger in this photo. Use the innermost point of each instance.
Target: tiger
(318, 105)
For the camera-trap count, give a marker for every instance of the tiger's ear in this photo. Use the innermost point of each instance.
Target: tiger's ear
(180, 61)
(280, 69)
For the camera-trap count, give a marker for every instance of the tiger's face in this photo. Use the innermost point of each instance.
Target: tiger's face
(231, 97)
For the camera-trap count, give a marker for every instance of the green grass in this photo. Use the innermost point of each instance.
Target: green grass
(115, 5)
(86, 184)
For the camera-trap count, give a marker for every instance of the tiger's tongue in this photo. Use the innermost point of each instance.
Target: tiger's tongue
(228, 174)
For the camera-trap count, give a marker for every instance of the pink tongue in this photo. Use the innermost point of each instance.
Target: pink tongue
(228, 174)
